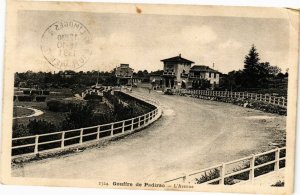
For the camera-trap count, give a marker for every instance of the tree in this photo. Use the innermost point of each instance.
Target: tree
(251, 62)
(252, 69)
(79, 116)
(201, 84)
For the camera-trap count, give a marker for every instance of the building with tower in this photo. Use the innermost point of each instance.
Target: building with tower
(124, 74)
(178, 72)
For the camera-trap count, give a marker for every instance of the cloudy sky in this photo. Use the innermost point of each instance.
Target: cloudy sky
(143, 40)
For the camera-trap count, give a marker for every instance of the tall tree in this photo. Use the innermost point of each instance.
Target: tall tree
(251, 62)
(251, 69)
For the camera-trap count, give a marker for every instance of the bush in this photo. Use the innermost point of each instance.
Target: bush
(58, 106)
(40, 127)
(45, 92)
(93, 97)
(25, 98)
(40, 98)
(210, 175)
(278, 184)
(80, 116)
(36, 92)
(27, 92)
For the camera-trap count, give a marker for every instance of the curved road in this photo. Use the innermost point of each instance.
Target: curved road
(192, 134)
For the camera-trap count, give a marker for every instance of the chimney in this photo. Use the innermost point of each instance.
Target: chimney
(180, 55)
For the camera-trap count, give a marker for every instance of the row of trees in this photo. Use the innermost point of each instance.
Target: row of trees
(71, 79)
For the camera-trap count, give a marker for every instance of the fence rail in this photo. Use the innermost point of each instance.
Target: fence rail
(278, 161)
(280, 101)
(77, 137)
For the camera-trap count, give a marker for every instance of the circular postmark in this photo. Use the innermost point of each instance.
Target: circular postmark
(66, 45)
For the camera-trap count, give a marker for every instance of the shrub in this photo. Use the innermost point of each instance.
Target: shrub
(58, 106)
(278, 184)
(93, 97)
(35, 92)
(46, 92)
(27, 92)
(79, 116)
(212, 174)
(25, 98)
(40, 98)
(40, 127)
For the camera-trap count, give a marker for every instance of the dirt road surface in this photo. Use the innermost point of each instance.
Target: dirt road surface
(192, 134)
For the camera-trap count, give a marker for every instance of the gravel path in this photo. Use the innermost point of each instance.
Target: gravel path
(192, 134)
(36, 112)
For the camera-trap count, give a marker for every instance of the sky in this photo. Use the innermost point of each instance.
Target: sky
(143, 40)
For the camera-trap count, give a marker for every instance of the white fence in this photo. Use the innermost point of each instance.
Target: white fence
(227, 170)
(65, 139)
(280, 101)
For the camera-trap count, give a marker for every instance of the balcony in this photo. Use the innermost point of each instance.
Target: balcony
(184, 75)
(196, 77)
(168, 73)
(124, 76)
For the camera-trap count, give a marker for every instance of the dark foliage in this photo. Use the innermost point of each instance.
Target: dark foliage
(255, 75)
(36, 127)
(25, 98)
(40, 98)
(93, 97)
(58, 106)
(201, 84)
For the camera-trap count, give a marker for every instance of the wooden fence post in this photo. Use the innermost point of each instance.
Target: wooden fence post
(36, 144)
(123, 127)
(222, 174)
(63, 139)
(277, 156)
(112, 130)
(265, 97)
(132, 121)
(252, 168)
(98, 132)
(139, 123)
(81, 135)
(184, 179)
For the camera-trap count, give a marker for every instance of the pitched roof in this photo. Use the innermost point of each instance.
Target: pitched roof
(202, 68)
(177, 59)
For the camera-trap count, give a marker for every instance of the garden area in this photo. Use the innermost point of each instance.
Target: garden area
(63, 112)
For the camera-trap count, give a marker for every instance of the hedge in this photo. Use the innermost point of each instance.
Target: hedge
(25, 98)
(58, 106)
(40, 98)
(92, 97)
(27, 92)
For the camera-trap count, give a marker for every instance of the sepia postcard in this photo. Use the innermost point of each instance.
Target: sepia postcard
(150, 97)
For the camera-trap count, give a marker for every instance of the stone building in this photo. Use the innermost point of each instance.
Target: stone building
(176, 71)
(124, 74)
(205, 72)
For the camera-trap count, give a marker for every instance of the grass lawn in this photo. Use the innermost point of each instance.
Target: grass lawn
(53, 117)
(18, 112)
